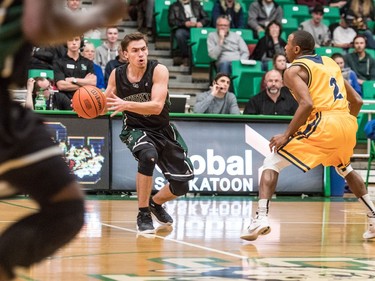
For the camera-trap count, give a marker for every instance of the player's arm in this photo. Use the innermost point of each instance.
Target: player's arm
(158, 96)
(89, 79)
(295, 78)
(47, 21)
(110, 91)
(354, 99)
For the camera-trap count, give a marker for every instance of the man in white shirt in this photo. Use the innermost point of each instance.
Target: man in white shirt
(343, 35)
(316, 28)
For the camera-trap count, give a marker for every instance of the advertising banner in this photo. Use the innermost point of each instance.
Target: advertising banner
(85, 146)
(227, 157)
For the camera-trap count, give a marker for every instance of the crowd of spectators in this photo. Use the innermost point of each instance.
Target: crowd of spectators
(351, 32)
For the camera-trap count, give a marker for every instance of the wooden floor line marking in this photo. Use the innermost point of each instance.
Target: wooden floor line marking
(181, 242)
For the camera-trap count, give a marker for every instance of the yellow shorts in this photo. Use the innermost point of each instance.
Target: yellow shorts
(329, 139)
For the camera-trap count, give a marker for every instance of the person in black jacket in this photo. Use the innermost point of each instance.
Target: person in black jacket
(274, 100)
(269, 45)
(183, 15)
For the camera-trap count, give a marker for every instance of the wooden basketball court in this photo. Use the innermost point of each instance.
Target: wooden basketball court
(311, 239)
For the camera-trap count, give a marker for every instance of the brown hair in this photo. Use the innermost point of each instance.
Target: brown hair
(136, 36)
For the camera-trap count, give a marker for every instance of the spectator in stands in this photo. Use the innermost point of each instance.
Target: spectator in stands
(75, 7)
(37, 85)
(359, 13)
(360, 61)
(347, 73)
(89, 53)
(108, 50)
(112, 64)
(218, 100)
(343, 35)
(274, 100)
(43, 57)
(261, 13)
(279, 64)
(316, 28)
(183, 15)
(72, 71)
(145, 10)
(232, 9)
(269, 45)
(225, 46)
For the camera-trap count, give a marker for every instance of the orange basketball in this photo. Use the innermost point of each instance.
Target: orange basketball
(88, 102)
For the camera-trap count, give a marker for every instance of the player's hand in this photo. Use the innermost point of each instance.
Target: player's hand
(277, 141)
(115, 104)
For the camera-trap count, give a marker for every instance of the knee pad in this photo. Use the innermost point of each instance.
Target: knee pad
(147, 158)
(275, 162)
(179, 188)
(343, 172)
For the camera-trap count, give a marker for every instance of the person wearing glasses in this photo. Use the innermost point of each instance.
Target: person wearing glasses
(225, 46)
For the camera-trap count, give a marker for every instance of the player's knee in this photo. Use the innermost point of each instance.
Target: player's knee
(74, 218)
(179, 188)
(40, 234)
(343, 172)
(275, 162)
(147, 158)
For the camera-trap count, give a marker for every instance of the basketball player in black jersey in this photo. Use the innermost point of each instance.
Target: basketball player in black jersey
(139, 90)
(27, 152)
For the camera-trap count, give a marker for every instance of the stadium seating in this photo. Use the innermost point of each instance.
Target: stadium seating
(328, 51)
(95, 42)
(161, 27)
(198, 47)
(332, 14)
(368, 90)
(289, 25)
(299, 12)
(46, 73)
(208, 6)
(246, 34)
(243, 77)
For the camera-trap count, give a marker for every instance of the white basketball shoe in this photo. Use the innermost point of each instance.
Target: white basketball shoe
(370, 233)
(258, 226)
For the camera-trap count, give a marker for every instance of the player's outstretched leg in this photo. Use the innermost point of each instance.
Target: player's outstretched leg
(39, 235)
(357, 186)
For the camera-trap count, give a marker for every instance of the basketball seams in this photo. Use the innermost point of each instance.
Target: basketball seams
(87, 100)
(93, 101)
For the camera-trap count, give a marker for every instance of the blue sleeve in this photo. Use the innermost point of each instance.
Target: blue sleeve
(354, 82)
(99, 77)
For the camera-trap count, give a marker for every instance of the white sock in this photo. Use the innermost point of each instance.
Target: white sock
(368, 203)
(263, 205)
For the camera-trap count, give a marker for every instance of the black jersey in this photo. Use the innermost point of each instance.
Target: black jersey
(16, 122)
(140, 92)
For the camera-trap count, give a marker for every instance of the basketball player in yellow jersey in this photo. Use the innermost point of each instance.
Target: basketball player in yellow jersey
(322, 131)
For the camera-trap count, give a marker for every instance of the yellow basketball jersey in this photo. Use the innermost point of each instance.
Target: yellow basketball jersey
(326, 83)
